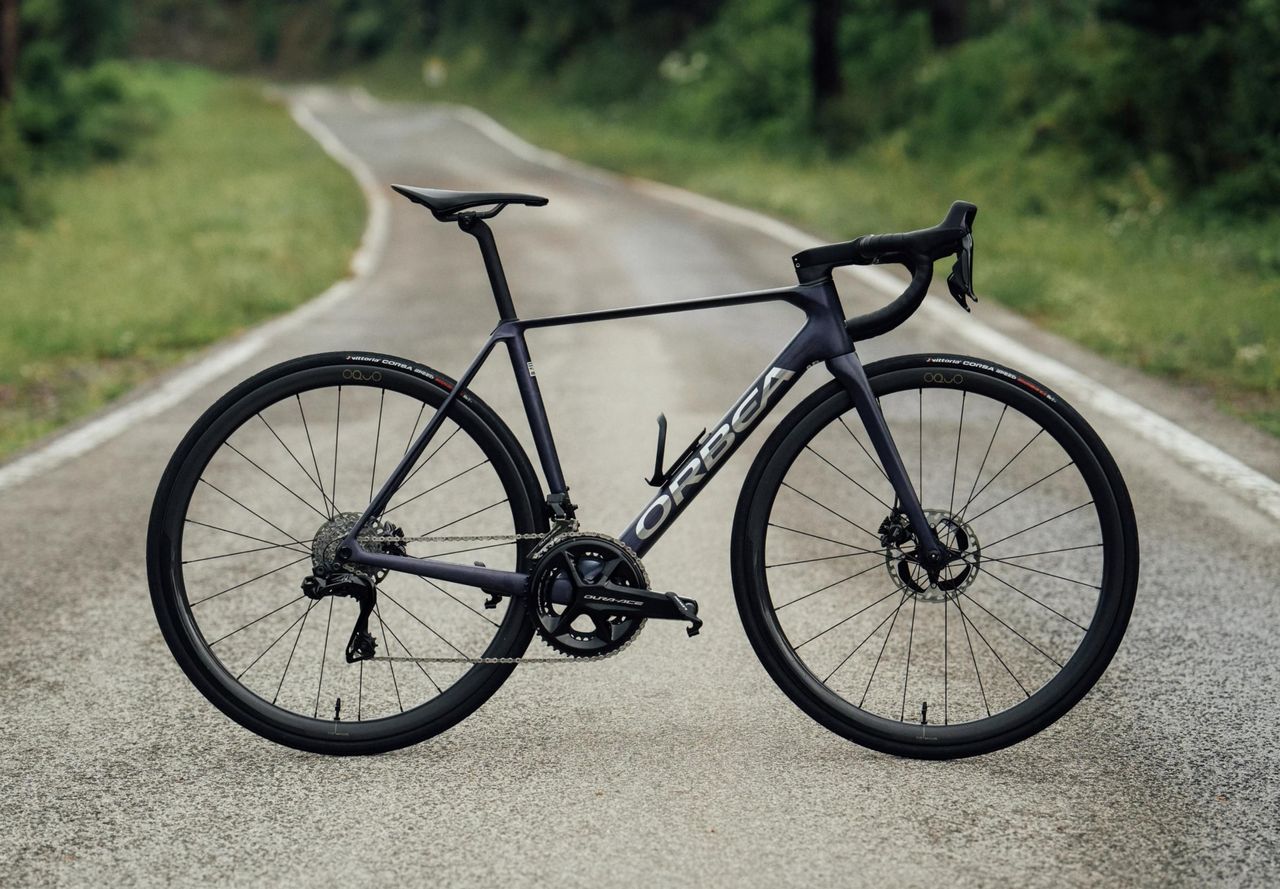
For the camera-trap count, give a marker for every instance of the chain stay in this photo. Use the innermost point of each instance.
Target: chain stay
(555, 533)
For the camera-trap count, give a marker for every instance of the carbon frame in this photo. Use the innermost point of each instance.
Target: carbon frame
(823, 337)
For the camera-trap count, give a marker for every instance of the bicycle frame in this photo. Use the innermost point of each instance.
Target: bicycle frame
(822, 338)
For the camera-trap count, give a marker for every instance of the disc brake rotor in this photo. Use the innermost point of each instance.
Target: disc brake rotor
(948, 582)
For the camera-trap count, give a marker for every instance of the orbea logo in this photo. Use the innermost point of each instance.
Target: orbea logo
(713, 450)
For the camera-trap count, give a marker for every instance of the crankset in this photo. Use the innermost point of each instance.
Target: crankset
(589, 596)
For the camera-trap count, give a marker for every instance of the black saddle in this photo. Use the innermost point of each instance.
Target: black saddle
(447, 206)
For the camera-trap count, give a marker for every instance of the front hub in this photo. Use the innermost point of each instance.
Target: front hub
(905, 563)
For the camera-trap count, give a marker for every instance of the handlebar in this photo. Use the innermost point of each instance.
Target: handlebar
(917, 250)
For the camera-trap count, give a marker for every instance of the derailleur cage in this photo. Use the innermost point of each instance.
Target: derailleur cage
(361, 646)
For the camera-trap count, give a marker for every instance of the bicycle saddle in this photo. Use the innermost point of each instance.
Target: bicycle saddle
(446, 205)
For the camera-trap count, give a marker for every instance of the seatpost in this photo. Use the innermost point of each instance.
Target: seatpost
(477, 228)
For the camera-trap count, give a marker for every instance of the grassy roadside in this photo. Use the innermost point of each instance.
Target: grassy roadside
(226, 216)
(1159, 290)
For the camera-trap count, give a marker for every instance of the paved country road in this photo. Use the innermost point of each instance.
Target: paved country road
(678, 763)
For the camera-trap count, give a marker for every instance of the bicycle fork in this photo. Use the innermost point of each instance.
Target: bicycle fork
(847, 369)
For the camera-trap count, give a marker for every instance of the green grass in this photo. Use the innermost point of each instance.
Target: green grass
(1107, 265)
(229, 214)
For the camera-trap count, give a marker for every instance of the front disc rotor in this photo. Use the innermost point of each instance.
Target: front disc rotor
(948, 582)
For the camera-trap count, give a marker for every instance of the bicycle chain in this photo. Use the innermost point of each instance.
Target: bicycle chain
(549, 538)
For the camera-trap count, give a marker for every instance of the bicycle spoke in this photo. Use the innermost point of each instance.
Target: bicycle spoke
(465, 517)
(377, 439)
(388, 629)
(974, 657)
(324, 650)
(245, 583)
(920, 492)
(469, 549)
(983, 465)
(255, 620)
(866, 638)
(1037, 525)
(337, 422)
(946, 656)
(858, 442)
(293, 650)
(955, 468)
(293, 457)
(823, 589)
(843, 621)
(243, 552)
(817, 537)
(296, 495)
(1000, 471)
(1023, 491)
(288, 546)
(865, 552)
(377, 610)
(292, 539)
(965, 617)
(847, 476)
(434, 487)
(883, 646)
(428, 626)
(1047, 552)
(830, 510)
(1092, 586)
(418, 468)
(332, 507)
(906, 676)
(989, 573)
(478, 614)
(414, 431)
(301, 619)
(997, 618)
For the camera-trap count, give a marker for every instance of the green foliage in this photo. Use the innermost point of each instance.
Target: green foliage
(755, 79)
(228, 214)
(70, 106)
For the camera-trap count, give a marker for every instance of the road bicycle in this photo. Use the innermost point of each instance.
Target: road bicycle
(933, 556)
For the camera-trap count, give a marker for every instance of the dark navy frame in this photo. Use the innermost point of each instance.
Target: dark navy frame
(824, 337)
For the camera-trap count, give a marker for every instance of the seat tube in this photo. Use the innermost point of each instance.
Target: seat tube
(536, 411)
(848, 370)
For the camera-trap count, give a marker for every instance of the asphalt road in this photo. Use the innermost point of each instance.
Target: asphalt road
(678, 763)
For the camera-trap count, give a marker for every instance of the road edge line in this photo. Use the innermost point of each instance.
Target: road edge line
(368, 255)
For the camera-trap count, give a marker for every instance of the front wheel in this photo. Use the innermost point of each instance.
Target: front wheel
(950, 663)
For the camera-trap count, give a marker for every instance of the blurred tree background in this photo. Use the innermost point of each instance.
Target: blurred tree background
(1126, 152)
(1187, 91)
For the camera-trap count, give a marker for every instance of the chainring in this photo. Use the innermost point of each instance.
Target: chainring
(596, 558)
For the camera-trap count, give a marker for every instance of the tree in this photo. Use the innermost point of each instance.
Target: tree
(948, 21)
(8, 49)
(825, 57)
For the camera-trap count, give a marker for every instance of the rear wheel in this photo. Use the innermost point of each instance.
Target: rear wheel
(260, 491)
(977, 656)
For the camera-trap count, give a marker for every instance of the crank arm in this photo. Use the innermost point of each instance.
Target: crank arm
(613, 598)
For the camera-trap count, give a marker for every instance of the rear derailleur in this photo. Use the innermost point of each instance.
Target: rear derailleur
(361, 646)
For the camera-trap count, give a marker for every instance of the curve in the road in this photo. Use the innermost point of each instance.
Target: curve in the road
(1184, 445)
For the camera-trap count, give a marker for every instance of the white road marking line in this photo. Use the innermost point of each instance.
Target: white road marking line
(1085, 392)
(182, 384)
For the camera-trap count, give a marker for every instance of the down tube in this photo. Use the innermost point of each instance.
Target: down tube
(715, 450)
